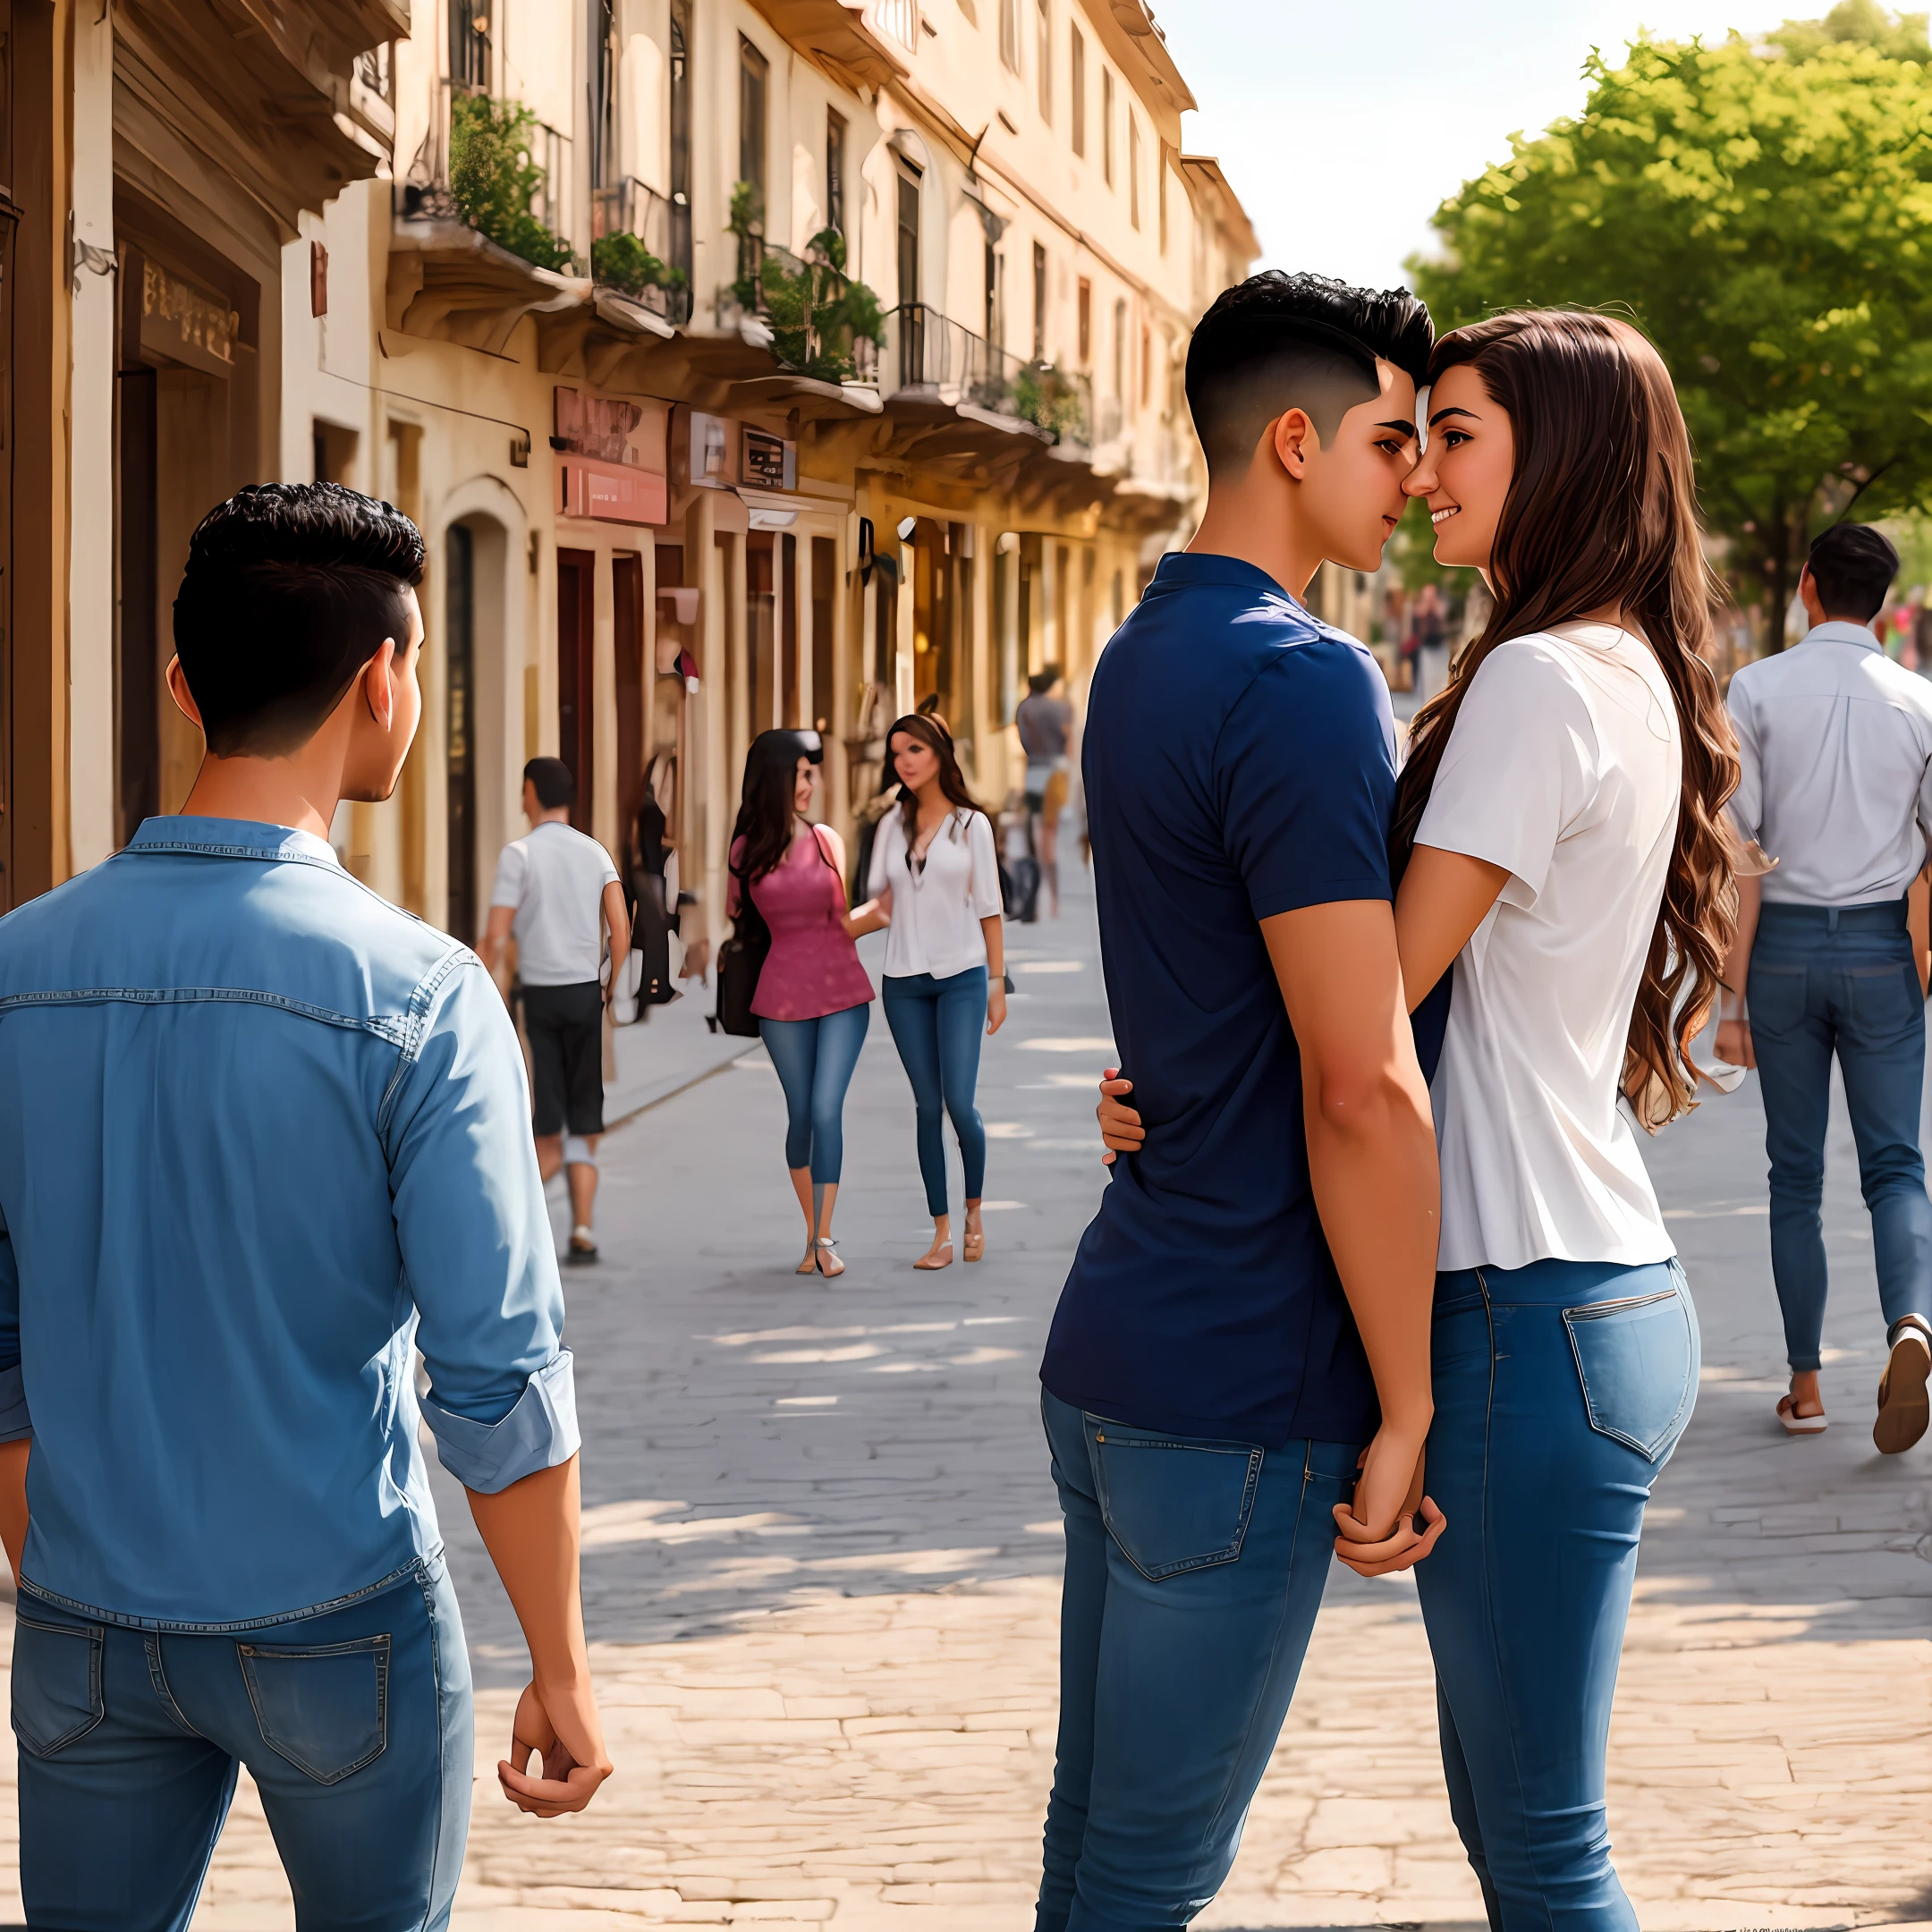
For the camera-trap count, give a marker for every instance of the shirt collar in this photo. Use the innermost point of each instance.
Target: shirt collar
(1186, 567)
(1838, 632)
(231, 838)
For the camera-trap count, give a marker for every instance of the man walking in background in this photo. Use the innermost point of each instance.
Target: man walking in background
(557, 892)
(1044, 721)
(1835, 745)
(261, 1138)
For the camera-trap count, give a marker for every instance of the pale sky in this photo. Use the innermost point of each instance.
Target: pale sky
(1342, 124)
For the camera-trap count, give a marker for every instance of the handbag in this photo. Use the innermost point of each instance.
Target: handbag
(740, 962)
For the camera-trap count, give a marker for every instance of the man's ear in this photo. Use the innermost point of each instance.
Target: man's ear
(1295, 440)
(378, 685)
(177, 684)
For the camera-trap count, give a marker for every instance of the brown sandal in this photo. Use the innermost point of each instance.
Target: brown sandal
(1904, 1407)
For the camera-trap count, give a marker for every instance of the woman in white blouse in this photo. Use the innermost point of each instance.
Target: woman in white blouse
(933, 863)
(1558, 838)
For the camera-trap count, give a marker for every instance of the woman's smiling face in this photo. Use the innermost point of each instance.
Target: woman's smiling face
(1466, 470)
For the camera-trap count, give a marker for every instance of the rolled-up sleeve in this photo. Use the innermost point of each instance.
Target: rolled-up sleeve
(985, 891)
(476, 1243)
(14, 1420)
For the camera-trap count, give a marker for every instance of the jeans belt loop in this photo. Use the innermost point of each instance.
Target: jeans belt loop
(1831, 919)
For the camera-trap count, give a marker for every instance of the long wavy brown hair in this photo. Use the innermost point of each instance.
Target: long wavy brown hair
(1602, 512)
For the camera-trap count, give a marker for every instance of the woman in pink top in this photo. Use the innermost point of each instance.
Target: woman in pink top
(813, 1000)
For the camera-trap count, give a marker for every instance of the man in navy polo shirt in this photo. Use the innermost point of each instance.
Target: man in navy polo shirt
(1250, 1305)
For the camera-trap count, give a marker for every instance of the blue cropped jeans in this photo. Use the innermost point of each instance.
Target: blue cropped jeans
(1827, 980)
(1194, 1569)
(815, 1059)
(355, 1723)
(1561, 1390)
(936, 1025)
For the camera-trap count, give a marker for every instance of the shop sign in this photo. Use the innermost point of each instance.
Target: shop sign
(612, 429)
(181, 323)
(610, 493)
(710, 448)
(770, 463)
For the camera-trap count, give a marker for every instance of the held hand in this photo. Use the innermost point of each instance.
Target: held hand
(995, 1007)
(1378, 1534)
(571, 1750)
(1734, 1043)
(1403, 1551)
(1121, 1132)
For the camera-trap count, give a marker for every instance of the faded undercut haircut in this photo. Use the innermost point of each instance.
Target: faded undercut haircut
(1278, 342)
(290, 589)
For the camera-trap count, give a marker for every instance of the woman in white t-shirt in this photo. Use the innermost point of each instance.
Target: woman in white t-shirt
(933, 864)
(1558, 838)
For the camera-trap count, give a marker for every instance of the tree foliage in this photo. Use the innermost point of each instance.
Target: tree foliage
(1765, 213)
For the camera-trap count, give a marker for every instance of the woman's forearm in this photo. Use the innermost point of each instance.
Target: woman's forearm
(873, 916)
(994, 928)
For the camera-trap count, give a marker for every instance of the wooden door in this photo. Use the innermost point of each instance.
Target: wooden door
(576, 675)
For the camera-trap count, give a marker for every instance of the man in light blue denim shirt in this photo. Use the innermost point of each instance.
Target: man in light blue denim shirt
(260, 1134)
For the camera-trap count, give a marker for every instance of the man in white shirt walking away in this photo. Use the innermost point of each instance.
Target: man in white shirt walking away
(1836, 744)
(556, 891)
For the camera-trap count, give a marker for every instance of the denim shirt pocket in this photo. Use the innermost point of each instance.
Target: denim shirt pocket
(325, 1708)
(1172, 1502)
(1637, 1360)
(56, 1682)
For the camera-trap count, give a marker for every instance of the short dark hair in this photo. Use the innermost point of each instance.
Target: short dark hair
(1279, 342)
(290, 589)
(1040, 683)
(556, 783)
(1853, 564)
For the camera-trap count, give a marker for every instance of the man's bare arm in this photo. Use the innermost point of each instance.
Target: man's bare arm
(1734, 1033)
(617, 920)
(1371, 1144)
(530, 1530)
(13, 1499)
(496, 938)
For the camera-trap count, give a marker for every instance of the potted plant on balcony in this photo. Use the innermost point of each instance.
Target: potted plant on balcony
(623, 262)
(494, 180)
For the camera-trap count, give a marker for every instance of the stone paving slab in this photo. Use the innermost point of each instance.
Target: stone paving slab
(821, 1556)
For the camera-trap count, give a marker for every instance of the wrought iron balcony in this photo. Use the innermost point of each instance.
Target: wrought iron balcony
(640, 246)
(927, 352)
(824, 324)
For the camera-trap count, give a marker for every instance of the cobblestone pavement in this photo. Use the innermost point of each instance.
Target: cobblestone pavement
(821, 1560)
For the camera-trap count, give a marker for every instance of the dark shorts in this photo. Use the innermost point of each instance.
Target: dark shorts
(565, 1025)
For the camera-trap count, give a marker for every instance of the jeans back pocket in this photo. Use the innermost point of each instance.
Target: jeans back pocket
(1637, 1359)
(56, 1682)
(1172, 1502)
(326, 1707)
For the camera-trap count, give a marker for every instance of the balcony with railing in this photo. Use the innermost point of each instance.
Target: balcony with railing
(929, 355)
(640, 246)
(823, 325)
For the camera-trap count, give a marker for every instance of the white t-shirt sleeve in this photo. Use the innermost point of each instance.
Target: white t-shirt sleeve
(1519, 768)
(1746, 803)
(610, 870)
(512, 874)
(985, 891)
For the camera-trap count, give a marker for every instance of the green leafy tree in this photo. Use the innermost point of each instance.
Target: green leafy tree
(1765, 215)
(494, 180)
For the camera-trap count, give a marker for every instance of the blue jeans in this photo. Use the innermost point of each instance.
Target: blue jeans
(1561, 1389)
(1841, 981)
(355, 1723)
(938, 1025)
(1193, 1573)
(815, 1059)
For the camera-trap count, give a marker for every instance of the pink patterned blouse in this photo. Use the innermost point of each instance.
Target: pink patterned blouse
(813, 967)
